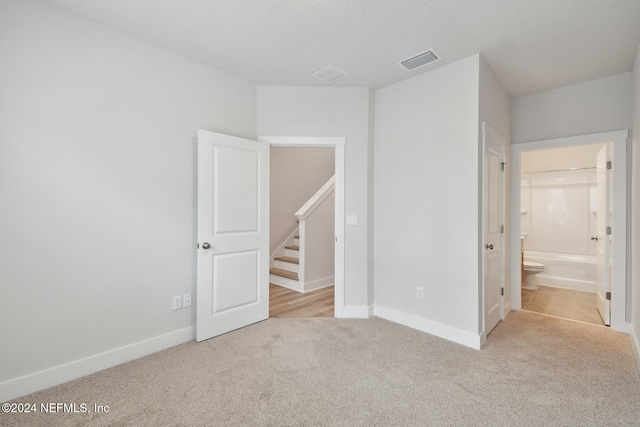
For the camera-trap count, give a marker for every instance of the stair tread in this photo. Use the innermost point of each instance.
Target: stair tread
(293, 247)
(284, 273)
(296, 237)
(290, 259)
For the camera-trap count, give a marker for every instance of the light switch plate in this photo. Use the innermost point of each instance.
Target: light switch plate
(352, 219)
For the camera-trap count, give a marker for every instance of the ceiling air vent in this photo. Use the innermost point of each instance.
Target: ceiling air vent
(420, 60)
(330, 73)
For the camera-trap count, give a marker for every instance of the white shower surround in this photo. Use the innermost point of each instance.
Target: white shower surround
(558, 214)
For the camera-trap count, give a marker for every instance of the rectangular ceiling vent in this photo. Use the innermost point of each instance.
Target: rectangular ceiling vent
(420, 60)
(330, 73)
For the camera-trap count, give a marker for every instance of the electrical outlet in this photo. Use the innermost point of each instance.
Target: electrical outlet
(177, 303)
(420, 292)
(186, 300)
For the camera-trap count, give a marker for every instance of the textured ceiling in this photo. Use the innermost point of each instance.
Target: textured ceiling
(532, 45)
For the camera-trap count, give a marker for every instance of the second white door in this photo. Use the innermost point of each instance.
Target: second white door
(493, 214)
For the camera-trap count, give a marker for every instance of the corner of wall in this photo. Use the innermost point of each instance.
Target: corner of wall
(370, 201)
(458, 336)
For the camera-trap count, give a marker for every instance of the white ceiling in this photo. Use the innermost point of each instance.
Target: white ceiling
(532, 45)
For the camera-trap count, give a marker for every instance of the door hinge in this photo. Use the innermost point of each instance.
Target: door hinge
(502, 166)
(608, 296)
(608, 230)
(502, 291)
(502, 229)
(609, 164)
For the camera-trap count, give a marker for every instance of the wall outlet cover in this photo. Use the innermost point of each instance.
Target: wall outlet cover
(186, 300)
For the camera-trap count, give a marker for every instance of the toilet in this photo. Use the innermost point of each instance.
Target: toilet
(531, 269)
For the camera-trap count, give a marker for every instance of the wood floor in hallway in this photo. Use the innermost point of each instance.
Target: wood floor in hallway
(284, 302)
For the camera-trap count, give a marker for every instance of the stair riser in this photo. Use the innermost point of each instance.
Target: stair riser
(285, 282)
(296, 241)
(286, 266)
(291, 253)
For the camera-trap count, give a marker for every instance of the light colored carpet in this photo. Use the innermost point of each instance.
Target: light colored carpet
(534, 370)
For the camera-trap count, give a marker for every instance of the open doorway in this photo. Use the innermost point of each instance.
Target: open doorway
(302, 205)
(337, 144)
(559, 214)
(549, 180)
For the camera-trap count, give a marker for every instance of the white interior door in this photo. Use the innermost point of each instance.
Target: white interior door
(493, 213)
(603, 282)
(233, 234)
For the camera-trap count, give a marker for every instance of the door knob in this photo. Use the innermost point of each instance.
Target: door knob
(594, 238)
(488, 247)
(206, 245)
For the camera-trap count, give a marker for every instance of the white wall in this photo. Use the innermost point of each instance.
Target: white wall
(319, 244)
(635, 217)
(296, 174)
(583, 156)
(97, 182)
(426, 201)
(338, 112)
(596, 106)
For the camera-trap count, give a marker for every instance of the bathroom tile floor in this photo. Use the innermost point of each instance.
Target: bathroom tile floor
(564, 303)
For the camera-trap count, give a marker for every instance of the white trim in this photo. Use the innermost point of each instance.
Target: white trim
(355, 312)
(17, 387)
(635, 346)
(285, 282)
(280, 251)
(507, 308)
(314, 201)
(339, 144)
(449, 333)
(324, 282)
(618, 141)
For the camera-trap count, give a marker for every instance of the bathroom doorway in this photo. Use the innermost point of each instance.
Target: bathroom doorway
(554, 217)
(559, 213)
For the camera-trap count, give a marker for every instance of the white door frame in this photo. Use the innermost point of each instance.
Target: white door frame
(489, 132)
(618, 143)
(339, 144)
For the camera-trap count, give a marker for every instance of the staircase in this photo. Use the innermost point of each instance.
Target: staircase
(305, 260)
(286, 268)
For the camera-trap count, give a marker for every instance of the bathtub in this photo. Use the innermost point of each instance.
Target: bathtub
(562, 270)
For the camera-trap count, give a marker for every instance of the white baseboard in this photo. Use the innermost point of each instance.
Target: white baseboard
(317, 284)
(635, 345)
(296, 285)
(353, 312)
(27, 384)
(434, 328)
